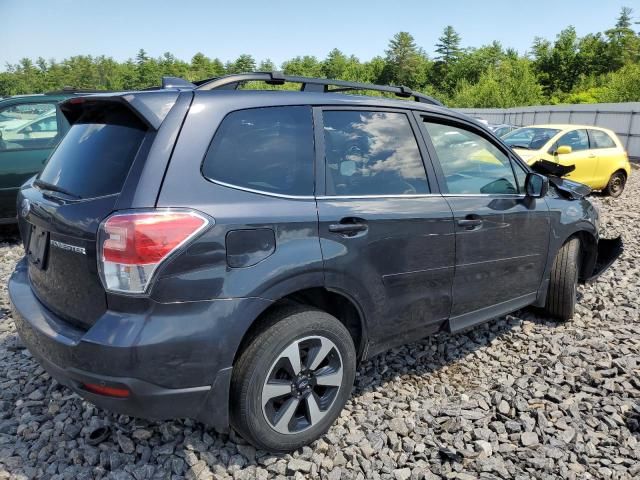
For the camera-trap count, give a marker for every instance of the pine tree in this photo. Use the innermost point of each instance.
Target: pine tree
(448, 46)
(405, 62)
(624, 44)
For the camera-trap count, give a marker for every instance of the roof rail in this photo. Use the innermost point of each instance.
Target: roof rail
(75, 90)
(322, 85)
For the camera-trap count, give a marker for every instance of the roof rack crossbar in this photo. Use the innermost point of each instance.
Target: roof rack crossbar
(309, 84)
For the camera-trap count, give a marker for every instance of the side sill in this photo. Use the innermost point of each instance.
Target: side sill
(467, 320)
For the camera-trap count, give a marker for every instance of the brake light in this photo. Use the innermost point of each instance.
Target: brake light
(133, 245)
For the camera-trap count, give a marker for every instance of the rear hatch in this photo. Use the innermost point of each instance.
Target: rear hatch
(60, 211)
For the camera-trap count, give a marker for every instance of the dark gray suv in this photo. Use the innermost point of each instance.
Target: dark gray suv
(230, 255)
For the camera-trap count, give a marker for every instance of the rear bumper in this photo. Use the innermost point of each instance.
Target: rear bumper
(609, 249)
(174, 359)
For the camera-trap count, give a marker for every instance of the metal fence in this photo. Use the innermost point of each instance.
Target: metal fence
(622, 118)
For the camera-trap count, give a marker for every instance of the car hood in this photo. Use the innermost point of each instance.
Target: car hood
(527, 155)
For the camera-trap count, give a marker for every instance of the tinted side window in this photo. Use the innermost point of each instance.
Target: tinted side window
(372, 153)
(576, 139)
(267, 149)
(601, 139)
(28, 126)
(470, 163)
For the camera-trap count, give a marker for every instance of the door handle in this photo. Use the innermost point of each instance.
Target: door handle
(470, 222)
(348, 226)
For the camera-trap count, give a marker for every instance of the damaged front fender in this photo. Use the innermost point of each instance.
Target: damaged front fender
(567, 188)
(609, 249)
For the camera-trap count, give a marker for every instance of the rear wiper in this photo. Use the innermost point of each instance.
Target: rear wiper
(54, 188)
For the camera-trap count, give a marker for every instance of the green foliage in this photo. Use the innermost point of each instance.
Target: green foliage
(598, 67)
(405, 63)
(623, 85)
(509, 84)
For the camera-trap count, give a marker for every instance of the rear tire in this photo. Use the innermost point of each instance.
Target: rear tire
(616, 184)
(563, 283)
(291, 382)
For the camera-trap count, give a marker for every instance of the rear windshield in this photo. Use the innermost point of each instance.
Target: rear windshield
(94, 157)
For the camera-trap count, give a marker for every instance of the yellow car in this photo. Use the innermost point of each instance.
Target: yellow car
(598, 156)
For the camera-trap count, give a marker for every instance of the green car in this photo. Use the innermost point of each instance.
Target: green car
(30, 127)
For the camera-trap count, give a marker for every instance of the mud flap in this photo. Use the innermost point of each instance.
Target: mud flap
(609, 249)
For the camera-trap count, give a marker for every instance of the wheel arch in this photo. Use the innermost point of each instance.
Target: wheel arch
(339, 304)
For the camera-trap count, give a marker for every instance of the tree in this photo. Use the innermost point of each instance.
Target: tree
(558, 66)
(473, 62)
(623, 85)
(335, 64)
(448, 53)
(624, 44)
(510, 84)
(266, 66)
(448, 46)
(307, 66)
(406, 64)
(243, 64)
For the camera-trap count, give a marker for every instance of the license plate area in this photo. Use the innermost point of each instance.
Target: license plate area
(38, 247)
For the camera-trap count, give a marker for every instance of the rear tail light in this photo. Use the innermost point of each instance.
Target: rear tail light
(132, 245)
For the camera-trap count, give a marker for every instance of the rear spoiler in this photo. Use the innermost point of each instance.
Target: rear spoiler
(149, 106)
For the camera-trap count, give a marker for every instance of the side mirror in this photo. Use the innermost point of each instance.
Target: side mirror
(563, 150)
(536, 185)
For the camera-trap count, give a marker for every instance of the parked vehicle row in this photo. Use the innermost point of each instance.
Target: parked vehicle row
(232, 255)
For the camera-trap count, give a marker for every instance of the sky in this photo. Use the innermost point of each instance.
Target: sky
(280, 30)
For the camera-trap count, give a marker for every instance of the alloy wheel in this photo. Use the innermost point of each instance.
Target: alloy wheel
(302, 385)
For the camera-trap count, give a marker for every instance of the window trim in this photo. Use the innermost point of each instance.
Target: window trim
(258, 191)
(321, 180)
(422, 117)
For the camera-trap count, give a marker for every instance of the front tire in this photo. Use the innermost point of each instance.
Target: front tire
(616, 184)
(563, 283)
(293, 379)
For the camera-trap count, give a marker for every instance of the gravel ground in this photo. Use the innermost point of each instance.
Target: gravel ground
(521, 397)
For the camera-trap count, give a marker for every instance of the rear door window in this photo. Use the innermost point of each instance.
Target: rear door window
(600, 139)
(372, 153)
(95, 156)
(264, 149)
